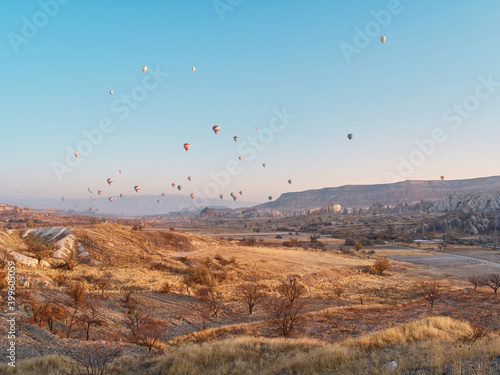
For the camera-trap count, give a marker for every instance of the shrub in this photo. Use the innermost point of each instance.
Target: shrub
(381, 265)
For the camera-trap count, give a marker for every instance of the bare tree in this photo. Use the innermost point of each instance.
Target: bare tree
(492, 281)
(291, 288)
(96, 358)
(252, 294)
(475, 281)
(431, 291)
(145, 330)
(90, 318)
(103, 283)
(284, 316)
(381, 265)
(212, 297)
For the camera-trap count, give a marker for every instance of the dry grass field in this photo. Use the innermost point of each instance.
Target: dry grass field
(164, 302)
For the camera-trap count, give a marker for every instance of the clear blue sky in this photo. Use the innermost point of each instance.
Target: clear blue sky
(252, 59)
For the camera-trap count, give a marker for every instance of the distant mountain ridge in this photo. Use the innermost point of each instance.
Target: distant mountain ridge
(129, 205)
(363, 196)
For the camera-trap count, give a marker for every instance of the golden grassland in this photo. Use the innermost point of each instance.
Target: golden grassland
(354, 322)
(431, 345)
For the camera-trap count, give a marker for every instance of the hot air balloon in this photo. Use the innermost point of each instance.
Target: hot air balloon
(235, 138)
(91, 197)
(162, 194)
(90, 190)
(264, 165)
(189, 178)
(173, 184)
(241, 193)
(110, 181)
(137, 188)
(193, 69)
(120, 171)
(221, 196)
(270, 198)
(239, 158)
(442, 178)
(63, 198)
(179, 187)
(231, 194)
(158, 201)
(216, 128)
(121, 195)
(186, 146)
(382, 39)
(111, 92)
(99, 192)
(144, 68)
(110, 200)
(349, 136)
(234, 197)
(77, 206)
(76, 154)
(192, 195)
(289, 182)
(337, 207)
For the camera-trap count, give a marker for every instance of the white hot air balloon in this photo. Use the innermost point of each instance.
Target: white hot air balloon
(144, 68)
(111, 92)
(337, 207)
(110, 181)
(383, 39)
(193, 69)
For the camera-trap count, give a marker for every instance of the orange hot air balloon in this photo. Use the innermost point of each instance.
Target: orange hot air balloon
(193, 69)
(90, 190)
(63, 198)
(442, 178)
(187, 146)
(99, 192)
(216, 128)
(144, 68)
(137, 188)
(76, 154)
(173, 184)
(235, 138)
(189, 178)
(91, 197)
(162, 194)
(179, 187)
(383, 39)
(120, 171)
(121, 195)
(192, 195)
